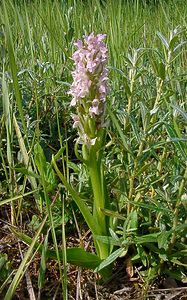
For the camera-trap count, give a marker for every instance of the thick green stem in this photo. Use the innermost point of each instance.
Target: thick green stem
(99, 201)
(95, 170)
(96, 177)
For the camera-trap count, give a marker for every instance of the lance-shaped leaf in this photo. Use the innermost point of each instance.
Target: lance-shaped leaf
(75, 256)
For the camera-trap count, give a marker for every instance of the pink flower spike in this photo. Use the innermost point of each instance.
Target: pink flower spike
(89, 87)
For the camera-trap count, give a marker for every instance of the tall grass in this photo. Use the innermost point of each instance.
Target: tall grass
(146, 155)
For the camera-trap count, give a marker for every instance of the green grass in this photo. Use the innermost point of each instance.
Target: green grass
(145, 155)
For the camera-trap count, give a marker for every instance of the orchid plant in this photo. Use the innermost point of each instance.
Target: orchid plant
(89, 90)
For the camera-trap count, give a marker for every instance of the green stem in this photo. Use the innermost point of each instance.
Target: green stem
(100, 199)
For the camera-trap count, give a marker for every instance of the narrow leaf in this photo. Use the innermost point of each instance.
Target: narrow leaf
(110, 259)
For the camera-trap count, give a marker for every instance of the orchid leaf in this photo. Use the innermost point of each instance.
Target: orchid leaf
(75, 256)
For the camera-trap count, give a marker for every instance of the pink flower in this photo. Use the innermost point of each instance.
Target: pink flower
(89, 87)
(86, 140)
(77, 122)
(94, 109)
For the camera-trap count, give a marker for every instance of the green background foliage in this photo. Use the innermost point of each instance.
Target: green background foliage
(145, 156)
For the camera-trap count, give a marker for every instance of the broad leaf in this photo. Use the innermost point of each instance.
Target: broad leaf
(75, 256)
